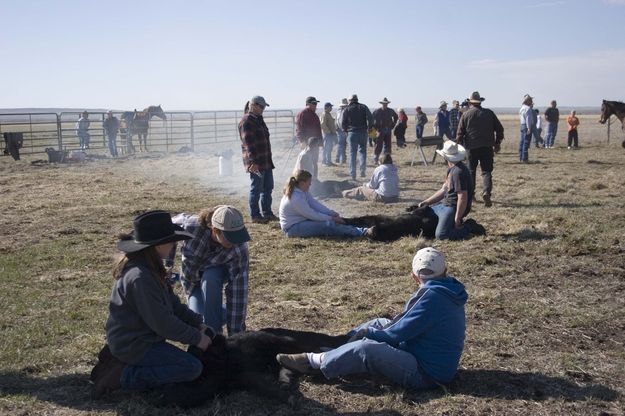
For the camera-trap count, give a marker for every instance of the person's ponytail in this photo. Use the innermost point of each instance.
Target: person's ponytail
(294, 180)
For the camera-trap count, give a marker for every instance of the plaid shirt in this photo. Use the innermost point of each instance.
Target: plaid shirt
(454, 118)
(255, 144)
(201, 253)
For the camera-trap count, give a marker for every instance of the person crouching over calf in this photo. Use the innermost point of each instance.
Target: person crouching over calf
(144, 313)
(452, 203)
(419, 348)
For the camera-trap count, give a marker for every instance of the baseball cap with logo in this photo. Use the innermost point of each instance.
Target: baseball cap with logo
(429, 263)
(229, 220)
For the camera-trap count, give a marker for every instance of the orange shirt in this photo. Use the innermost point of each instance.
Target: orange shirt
(573, 122)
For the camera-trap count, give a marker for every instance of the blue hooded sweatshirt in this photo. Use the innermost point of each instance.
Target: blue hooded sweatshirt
(431, 328)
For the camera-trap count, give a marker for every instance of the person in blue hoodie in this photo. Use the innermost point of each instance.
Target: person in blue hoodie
(419, 348)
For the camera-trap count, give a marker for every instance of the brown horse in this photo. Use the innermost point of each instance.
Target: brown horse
(137, 122)
(609, 108)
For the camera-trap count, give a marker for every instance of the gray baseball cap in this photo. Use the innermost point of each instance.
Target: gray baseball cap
(229, 220)
(260, 100)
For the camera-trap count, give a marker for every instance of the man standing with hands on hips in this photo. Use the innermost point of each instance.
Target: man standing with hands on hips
(256, 150)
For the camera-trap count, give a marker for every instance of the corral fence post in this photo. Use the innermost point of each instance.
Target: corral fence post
(59, 135)
(192, 138)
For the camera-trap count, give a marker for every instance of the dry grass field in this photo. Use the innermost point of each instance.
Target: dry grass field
(546, 309)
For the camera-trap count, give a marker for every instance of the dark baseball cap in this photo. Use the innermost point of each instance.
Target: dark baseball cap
(312, 100)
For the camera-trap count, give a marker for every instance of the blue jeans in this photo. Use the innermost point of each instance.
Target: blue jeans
(84, 138)
(309, 228)
(261, 189)
(113, 144)
(207, 297)
(445, 131)
(446, 228)
(537, 139)
(373, 357)
(419, 132)
(382, 143)
(341, 156)
(357, 143)
(524, 142)
(329, 140)
(162, 364)
(550, 136)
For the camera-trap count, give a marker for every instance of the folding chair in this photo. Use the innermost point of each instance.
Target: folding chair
(425, 142)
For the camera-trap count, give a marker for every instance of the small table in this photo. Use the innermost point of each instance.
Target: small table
(423, 142)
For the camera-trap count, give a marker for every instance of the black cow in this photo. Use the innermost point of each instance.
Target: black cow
(330, 189)
(247, 361)
(417, 222)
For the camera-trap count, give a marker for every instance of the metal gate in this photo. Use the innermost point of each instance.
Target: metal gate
(199, 130)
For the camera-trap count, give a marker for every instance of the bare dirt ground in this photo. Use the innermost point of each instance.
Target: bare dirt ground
(545, 317)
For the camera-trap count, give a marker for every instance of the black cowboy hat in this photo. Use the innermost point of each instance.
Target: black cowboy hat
(150, 229)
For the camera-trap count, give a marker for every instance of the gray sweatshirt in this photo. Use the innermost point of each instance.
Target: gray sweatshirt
(142, 313)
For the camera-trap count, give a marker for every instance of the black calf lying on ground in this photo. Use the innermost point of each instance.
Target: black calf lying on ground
(330, 189)
(247, 361)
(419, 221)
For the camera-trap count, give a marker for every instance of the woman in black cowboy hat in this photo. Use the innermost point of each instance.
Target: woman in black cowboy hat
(144, 312)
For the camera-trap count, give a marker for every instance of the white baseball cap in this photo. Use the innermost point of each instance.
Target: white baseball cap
(429, 263)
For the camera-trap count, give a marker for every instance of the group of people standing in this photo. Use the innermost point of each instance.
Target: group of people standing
(531, 127)
(110, 125)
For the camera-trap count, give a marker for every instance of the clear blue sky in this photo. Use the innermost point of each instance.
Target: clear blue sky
(216, 54)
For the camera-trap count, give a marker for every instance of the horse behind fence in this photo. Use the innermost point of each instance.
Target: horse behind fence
(137, 122)
(609, 108)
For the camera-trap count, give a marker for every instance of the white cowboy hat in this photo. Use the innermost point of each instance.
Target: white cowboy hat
(452, 152)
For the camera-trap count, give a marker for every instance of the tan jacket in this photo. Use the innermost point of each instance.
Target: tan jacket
(328, 124)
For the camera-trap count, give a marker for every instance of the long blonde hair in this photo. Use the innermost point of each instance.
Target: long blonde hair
(295, 179)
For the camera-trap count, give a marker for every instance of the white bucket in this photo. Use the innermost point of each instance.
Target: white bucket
(225, 166)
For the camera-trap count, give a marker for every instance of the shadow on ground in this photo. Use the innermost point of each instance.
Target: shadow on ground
(73, 391)
(500, 384)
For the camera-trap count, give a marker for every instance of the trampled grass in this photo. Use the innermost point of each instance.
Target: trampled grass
(545, 318)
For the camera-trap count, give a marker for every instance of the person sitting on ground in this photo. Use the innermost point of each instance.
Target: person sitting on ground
(419, 348)
(216, 257)
(301, 215)
(453, 201)
(383, 186)
(144, 312)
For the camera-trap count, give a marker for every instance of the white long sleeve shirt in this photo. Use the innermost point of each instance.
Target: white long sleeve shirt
(300, 207)
(385, 181)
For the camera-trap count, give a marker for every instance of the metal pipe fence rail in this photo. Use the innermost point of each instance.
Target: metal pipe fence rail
(198, 130)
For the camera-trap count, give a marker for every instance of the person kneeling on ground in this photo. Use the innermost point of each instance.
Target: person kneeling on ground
(217, 256)
(383, 186)
(419, 348)
(301, 215)
(144, 312)
(452, 202)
